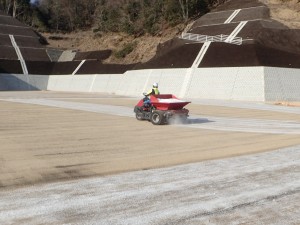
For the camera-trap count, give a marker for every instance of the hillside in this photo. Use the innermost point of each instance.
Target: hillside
(286, 12)
(88, 41)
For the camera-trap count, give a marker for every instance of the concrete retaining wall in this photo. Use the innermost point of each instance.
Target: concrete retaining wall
(107, 83)
(134, 83)
(230, 83)
(244, 83)
(282, 84)
(23, 82)
(227, 83)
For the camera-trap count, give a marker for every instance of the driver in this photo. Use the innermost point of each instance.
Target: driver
(153, 91)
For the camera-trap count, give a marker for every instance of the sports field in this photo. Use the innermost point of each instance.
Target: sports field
(81, 158)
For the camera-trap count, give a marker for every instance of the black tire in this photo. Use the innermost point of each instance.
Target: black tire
(139, 116)
(157, 118)
(138, 113)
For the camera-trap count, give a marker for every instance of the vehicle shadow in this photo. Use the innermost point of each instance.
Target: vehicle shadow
(189, 121)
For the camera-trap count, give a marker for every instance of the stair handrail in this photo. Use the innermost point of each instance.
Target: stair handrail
(217, 38)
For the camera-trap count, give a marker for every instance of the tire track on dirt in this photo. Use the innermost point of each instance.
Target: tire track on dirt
(195, 121)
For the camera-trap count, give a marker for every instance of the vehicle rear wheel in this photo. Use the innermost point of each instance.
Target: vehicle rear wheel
(157, 118)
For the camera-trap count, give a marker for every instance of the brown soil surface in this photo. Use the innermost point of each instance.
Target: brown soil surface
(41, 143)
(89, 41)
(292, 104)
(285, 11)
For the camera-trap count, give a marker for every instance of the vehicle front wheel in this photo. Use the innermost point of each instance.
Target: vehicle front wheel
(138, 113)
(157, 118)
(139, 116)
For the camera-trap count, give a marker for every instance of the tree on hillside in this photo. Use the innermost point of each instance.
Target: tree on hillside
(6, 5)
(134, 17)
(192, 8)
(184, 4)
(19, 9)
(216, 2)
(67, 15)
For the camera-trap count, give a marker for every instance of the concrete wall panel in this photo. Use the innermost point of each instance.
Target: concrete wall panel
(227, 83)
(81, 83)
(108, 83)
(59, 82)
(99, 83)
(248, 84)
(39, 82)
(13, 82)
(171, 81)
(211, 84)
(23, 82)
(132, 83)
(3, 82)
(230, 83)
(282, 84)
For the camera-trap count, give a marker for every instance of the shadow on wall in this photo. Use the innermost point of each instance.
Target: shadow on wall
(10, 66)
(9, 82)
(62, 68)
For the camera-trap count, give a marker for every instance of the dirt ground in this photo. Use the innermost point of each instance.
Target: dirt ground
(285, 11)
(88, 41)
(83, 158)
(49, 136)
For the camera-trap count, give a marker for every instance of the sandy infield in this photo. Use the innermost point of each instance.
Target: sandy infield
(75, 158)
(50, 136)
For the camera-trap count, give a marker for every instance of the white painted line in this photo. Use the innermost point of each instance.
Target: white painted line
(247, 105)
(8, 25)
(201, 54)
(222, 24)
(78, 67)
(17, 35)
(244, 125)
(231, 10)
(232, 16)
(229, 124)
(20, 57)
(236, 31)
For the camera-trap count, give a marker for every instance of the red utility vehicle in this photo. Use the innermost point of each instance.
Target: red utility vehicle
(161, 109)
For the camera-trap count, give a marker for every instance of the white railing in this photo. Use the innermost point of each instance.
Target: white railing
(217, 38)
